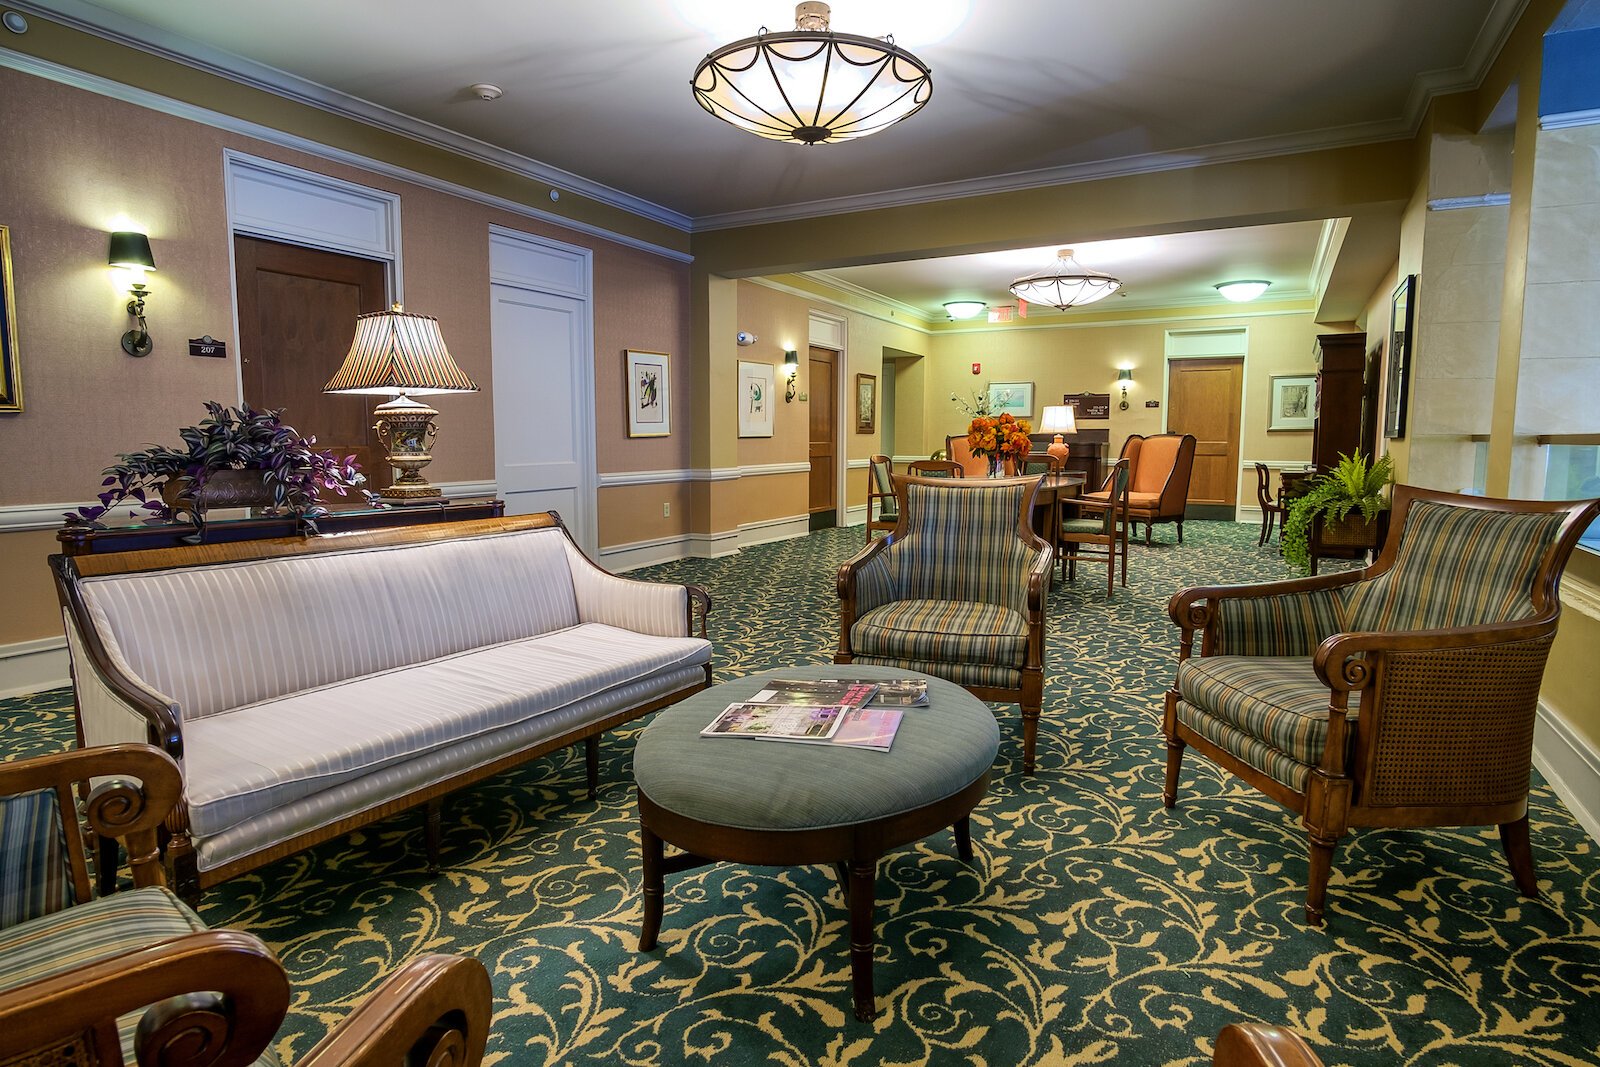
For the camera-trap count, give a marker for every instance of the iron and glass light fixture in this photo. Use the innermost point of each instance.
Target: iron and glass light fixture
(1065, 284)
(399, 354)
(810, 85)
(791, 367)
(1241, 291)
(1124, 376)
(130, 251)
(965, 309)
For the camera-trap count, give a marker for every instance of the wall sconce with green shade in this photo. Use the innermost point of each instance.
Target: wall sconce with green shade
(1124, 376)
(131, 251)
(791, 367)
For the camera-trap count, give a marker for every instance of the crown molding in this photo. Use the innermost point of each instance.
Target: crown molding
(112, 26)
(1566, 120)
(833, 281)
(842, 305)
(1456, 203)
(1492, 36)
(94, 83)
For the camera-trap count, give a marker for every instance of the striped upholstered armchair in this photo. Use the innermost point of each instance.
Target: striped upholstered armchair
(135, 976)
(957, 592)
(1401, 694)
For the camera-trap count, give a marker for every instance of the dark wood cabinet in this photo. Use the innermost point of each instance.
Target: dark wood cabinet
(1341, 389)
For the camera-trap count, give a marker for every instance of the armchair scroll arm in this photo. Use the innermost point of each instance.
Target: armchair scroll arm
(1260, 1045)
(434, 1010)
(1344, 661)
(215, 999)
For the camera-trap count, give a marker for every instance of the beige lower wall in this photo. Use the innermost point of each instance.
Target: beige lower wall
(31, 609)
(1572, 675)
(632, 513)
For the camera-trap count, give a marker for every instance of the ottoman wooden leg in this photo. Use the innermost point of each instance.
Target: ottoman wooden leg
(963, 829)
(652, 888)
(863, 901)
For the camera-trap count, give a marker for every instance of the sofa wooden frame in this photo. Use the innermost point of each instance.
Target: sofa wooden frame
(166, 733)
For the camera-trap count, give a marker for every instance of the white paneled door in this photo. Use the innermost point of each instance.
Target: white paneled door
(543, 403)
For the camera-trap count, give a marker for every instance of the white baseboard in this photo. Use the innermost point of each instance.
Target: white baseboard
(1570, 764)
(31, 666)
(785, 529)
(855, 515)
(636, 554)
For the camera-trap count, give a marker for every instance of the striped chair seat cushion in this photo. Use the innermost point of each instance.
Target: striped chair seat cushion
(1278, 766)
(939, 631)
(1277, 700)
(991, 675)
(257, 759)
(34, 877)
(97, 930)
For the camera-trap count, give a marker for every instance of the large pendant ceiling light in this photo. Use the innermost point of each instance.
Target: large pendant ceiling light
(812, 86)
(1065, 284)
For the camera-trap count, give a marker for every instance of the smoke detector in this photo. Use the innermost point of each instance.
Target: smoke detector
(485, 91)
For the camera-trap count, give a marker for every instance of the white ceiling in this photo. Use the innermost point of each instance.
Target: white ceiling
(1176, 270)
(1034, 90)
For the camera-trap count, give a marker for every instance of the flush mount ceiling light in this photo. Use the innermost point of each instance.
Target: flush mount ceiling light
(1241, 291)
(1065, 284)
(810, 85)
(965, 309)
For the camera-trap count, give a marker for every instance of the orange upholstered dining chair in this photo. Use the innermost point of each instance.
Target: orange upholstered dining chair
(1158, 479)
(956, 450)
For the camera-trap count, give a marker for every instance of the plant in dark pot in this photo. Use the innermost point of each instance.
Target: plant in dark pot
(235, 457)
(1347, 499)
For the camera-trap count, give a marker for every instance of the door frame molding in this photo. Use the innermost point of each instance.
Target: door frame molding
(828, 330)
(571, 275)
(1242, 353)
(277, 202)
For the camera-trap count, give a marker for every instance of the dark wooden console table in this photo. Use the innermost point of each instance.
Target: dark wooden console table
(1086, 453)
(86, 540)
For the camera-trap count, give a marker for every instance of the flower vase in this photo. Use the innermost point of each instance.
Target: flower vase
(997, 467)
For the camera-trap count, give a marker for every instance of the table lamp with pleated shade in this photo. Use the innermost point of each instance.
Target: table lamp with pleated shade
(400, 354)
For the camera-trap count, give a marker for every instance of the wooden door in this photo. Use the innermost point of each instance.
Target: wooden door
(824, 433)
(297, 316)
(1203, 399)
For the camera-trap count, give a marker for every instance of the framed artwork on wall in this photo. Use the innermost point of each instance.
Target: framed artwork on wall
(1293, 402)
(1402, 314)
(1015, 398)
(866, 403)
(10, 370)
(649, 394)
(755, 399)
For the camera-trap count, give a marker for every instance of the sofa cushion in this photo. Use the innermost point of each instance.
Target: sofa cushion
(1278, 700)
(99, 929)
(226, 636)
(259, 758)
(34, 877)
(936, 631)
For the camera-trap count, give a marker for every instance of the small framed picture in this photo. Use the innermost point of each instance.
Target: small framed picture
(1403, 310)
(866, 403)
(649, 394)
(10, 371)
(1015, 398)
(1294, 402)
(755, 399)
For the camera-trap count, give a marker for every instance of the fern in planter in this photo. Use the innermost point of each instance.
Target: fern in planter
(1353, 484)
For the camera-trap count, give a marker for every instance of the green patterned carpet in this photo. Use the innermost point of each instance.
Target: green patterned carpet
(1094, 926)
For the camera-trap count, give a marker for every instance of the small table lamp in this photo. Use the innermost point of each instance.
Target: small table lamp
(1058, 420)
(399, 354)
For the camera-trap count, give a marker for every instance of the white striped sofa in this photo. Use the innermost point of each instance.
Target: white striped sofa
(311, 686)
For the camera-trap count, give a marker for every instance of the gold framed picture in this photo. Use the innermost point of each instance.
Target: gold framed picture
(10, 368)
(866, 403)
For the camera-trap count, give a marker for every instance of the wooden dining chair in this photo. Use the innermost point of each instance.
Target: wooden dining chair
(935, 468)
(1102, 531)
(1272, 509)
(880, 496)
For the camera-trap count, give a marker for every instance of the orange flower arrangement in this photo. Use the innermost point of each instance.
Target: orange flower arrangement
(999, 437)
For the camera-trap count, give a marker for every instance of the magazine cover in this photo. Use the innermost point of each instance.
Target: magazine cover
(904, 693)
(872, 728)
(831, 692)
(776, 722)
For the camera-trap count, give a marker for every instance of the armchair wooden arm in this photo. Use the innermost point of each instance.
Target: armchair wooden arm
(699, 604)
(216, 999)
(1260, 1045)
(434, 1010)
(1193, 608)
(116, 808)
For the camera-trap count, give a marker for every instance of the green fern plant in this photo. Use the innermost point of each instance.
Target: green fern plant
(1355, 484)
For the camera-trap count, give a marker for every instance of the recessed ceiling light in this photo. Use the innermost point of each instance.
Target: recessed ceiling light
(1241, 291)
(15, 22)
(965, 309)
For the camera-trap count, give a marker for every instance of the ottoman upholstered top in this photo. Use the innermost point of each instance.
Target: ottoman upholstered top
(773, 785)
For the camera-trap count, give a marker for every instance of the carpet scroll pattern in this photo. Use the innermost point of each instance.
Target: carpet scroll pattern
(1093, 927)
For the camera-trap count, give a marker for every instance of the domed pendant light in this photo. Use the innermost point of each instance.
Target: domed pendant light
(811, 86)
(1065, 285)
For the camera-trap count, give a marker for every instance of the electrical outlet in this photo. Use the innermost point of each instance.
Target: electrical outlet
(666, 509)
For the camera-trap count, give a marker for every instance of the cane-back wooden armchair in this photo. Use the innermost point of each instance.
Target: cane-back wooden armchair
(135, 976)
(1401, 694)
(957, 592)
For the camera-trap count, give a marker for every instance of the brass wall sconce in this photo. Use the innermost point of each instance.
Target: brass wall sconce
(131, 251)
(1124, 376)
(791, 367)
